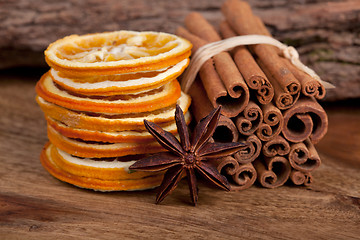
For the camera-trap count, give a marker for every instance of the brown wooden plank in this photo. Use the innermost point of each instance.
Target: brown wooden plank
(34, 205)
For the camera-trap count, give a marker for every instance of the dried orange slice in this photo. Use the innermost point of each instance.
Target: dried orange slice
(158, 98)
(90, 181)
(106, 169)
(137, 136)
(116, 52)
(111, 122)
(80, 148)
(120, 83)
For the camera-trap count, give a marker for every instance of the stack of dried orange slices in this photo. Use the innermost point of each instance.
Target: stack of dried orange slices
(95, 97)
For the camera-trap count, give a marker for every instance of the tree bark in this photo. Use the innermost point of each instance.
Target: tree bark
(325, 32)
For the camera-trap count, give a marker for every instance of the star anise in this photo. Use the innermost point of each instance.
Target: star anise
(185, 157)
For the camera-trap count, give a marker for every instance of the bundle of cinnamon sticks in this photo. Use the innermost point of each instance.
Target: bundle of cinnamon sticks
(266, 102)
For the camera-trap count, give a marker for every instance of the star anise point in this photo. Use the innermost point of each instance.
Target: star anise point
(185, 156)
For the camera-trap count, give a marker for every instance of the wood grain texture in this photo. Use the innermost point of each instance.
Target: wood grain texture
(34, 205)
(326, 32)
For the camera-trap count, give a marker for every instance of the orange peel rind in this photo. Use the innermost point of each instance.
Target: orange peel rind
(109, 123)
(124, 182)
(116, 52)
(143, 102)
(85, 149)
(113, 137)
(105, 169)
(120, 83)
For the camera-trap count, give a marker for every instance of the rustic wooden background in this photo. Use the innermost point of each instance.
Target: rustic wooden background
(34, 205)
(326, 32)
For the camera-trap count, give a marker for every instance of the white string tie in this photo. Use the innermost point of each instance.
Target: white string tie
(211, 49)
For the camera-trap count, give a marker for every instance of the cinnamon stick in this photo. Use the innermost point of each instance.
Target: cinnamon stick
(276, 146)
(250, 119)
(272, 172)
(308, 179)
(306, 119)
(199, 26)
(273, 122)
(196, 41)
(250, 70)
(244, 177)
(301, 178)
(283, 99)
(240, 176)
(240, 17)
(212, 83)
(238, 92)
(309, 86)
(251, 152)
(200, 103)
(303, 156)
(227, 166)
(224, 64)
(226, 130)
(231, 78)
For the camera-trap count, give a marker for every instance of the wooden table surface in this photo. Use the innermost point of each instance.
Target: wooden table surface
(34, 205)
